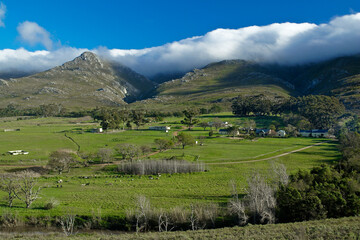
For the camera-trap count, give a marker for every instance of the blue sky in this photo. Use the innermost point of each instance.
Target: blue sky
(139, 24)
(155, 37)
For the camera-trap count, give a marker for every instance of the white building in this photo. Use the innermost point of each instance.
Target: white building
(160, 128)
(18, 152)
(281, 133)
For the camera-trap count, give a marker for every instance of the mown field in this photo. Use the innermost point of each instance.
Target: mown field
(227, 159)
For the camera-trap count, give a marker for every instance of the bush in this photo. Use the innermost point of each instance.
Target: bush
(51, 204)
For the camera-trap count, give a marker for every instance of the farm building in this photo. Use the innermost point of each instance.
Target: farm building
(12, 130)
(263, 132)
(228, 132)
(223, 124)
(18, 152)
(315, 133)
(281, 133)
(223, 131)
(97, 130)
(160, 128)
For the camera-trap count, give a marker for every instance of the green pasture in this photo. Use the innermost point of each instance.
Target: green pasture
(114, 194)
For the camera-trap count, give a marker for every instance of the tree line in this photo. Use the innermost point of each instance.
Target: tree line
(321, 111)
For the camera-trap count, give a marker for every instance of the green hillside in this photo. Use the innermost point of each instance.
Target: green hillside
(87, 81)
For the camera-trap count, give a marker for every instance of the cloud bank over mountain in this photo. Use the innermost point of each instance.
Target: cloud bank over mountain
(282, 43)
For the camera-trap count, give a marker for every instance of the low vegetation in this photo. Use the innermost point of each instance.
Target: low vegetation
(153, 167)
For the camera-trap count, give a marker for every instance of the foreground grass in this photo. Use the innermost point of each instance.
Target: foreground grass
(342, 228)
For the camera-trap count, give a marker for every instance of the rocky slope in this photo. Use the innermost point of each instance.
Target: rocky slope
(87, 81)
(223, 80)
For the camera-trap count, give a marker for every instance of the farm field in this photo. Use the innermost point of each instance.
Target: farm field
(112, 194)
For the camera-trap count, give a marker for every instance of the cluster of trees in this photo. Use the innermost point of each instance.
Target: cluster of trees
(44, 110)
(152, 167)
(197, 216)
(111, 118)
(325, 191)
(319, 110)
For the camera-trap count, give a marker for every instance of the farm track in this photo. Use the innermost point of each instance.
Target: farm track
(270, 158)
(217, 163)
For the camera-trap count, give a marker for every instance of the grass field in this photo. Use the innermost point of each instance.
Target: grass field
(114, 194)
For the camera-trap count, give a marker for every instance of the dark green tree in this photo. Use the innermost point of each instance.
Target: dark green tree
(190, 119)
(185, 139)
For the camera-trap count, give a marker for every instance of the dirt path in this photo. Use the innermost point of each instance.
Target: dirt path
(269, 158)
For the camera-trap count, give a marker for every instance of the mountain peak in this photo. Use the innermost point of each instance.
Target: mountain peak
(89, 57)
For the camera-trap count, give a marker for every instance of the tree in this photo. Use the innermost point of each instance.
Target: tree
(291, 130)
(185, 139)
(249, 124)
(62, 160)
(27, 190)
(105, 154)
(237, 206)
(190, 119)
(128, 151)
(241, 106)
(9, 185)
(164, 143)
(204, 125)
(217, 123)
(138, 117)
(261, 199)
(233, 131)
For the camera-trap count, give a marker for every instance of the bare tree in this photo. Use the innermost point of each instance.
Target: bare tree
(27, 190)
(261, 199)
(193, 218)
(67, 224)
(142, 213)
(280, 174)
(164, 221)
(9, 185)
(237, 206)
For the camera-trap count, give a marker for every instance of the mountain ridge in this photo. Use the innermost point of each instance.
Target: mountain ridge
(85, 80)
(89, 81)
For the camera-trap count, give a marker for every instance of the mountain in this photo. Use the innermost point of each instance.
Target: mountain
(338, 77)
(89, 81)
(86, 81)
(221, 82)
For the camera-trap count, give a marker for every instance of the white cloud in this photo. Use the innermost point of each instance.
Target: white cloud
(22, 60)
(32, 33)
(2, 14)
(283, 43)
